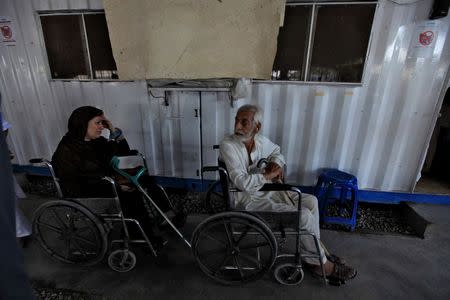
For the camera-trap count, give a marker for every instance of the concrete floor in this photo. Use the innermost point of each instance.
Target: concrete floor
(389, 267)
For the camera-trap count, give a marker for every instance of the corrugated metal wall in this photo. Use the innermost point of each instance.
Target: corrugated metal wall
(379, 131)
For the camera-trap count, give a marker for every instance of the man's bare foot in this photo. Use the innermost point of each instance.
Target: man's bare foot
(328, 268)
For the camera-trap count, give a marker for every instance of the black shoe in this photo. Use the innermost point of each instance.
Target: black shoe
(24, 241)
(158, 243)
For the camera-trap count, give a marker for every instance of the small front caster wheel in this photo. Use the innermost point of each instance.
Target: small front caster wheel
(122, 260)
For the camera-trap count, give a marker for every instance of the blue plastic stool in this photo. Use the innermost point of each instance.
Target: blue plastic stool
(337, 187)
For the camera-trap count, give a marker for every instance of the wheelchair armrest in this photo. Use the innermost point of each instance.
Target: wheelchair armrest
(210, 169)
(280, 187)
(109, 179)
(113, 184)
(37, 160)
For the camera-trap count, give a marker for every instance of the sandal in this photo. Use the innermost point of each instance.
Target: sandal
(336, 259)
(341, 273)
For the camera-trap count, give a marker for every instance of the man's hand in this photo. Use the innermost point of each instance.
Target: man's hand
(273, 172)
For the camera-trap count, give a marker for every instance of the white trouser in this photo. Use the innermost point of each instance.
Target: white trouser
(310, 223)
(282, 201)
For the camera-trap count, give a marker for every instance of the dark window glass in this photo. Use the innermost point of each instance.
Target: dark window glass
(103, 64)
(340, 42)
(65, 46)
(290, 59)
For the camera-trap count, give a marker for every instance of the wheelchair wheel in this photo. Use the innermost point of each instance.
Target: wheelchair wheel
(288, 274)
(234, 247)
(214, 199)
(122, 260)
(70, 233)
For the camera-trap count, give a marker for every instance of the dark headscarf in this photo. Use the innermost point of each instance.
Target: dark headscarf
(79, 119)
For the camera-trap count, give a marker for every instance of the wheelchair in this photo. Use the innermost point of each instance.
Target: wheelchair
(234, 247)
(81, 230)
(231, 247)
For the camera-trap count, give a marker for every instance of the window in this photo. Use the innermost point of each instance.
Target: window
(323, 42)
(78, 46)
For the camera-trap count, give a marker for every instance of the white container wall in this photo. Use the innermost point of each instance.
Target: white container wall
(378, 130)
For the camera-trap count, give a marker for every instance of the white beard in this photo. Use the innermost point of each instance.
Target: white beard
(244, 138)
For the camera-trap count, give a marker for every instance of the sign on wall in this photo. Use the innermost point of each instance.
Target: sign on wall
(424, 39)
(7, 32)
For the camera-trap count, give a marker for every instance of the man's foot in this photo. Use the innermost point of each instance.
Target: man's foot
(336, 273)
(158, 243)
(336, 259)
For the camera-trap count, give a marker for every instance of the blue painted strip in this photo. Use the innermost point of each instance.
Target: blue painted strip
(31, 170)
(199, 185)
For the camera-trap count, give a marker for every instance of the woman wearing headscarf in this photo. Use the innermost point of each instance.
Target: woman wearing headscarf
(83, 157)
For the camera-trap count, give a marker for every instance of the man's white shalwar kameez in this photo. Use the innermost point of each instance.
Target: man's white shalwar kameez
(248, 178)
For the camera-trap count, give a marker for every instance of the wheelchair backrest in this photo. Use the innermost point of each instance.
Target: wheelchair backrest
(55, 179)
(225, 184)
(97, 205)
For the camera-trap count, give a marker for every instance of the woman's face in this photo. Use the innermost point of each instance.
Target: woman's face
(95, 127)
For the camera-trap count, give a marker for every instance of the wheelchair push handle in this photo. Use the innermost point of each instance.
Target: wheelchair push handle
(262, 163)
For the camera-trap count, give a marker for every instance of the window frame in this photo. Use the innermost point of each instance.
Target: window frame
(84, 36)
(311, 34)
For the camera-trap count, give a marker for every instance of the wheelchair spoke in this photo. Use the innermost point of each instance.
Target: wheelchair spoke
(257, 245)
(243, 234)
(249, 259)
(236, 262)
(67, 244)
(215, 239)
(79, 238)
(51, 227)
(58, 218)
(79, 248)
(82, 229)
(221, 265)
(214, 251)
(229, 235)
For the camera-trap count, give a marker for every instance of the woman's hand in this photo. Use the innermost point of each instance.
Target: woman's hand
(108, 124)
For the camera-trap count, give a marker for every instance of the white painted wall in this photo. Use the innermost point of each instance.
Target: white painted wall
(378, 131)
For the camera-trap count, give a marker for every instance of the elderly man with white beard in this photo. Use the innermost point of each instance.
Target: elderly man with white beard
(241, 152)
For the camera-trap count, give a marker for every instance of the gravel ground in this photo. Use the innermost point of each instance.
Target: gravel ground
(47, 291)
(376, 218)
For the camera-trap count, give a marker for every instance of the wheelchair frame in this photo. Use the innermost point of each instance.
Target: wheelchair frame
(74, 217)
(287, 273)
(246, 247)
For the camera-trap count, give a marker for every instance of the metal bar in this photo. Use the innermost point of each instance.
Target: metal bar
(87, 47)
(329, 3)
(68, 12)
(163, 215)
(369, 43)
(312, 28)
(181, 89)
(333, 83)
(201, 134)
